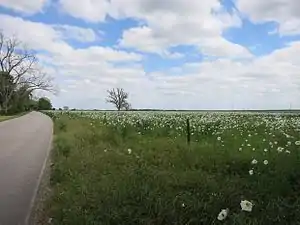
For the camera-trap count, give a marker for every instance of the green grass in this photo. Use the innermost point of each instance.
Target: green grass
(96, 180)
(3, 118)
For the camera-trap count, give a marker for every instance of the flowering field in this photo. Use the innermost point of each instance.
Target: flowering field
(137, 168)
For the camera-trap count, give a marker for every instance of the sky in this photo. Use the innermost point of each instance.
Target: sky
(168, 54)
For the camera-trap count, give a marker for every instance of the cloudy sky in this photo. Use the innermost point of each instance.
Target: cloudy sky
(172, 54)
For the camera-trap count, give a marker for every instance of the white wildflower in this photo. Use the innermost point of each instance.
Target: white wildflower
(223, 214)
(240, 149)
(287, 152)
(280, 149)
(253, 149)
(129, 151)
(246, 205)
(251, 172)
(265, 150)
(219, 138)
(266, 162)
(297, 143)
(254, 161)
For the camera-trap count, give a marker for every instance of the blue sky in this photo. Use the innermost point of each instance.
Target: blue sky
(206, 54)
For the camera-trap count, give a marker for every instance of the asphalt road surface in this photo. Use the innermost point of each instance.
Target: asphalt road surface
(24, 147)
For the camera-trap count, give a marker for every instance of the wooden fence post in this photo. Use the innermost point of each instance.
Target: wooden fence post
(188, 131)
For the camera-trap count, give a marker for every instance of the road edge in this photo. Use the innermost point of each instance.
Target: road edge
(31, 210)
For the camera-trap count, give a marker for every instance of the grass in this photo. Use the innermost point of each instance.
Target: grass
(115, 170)
(8, 117)
(3, 118)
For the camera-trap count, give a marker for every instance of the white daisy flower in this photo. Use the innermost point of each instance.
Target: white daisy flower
(223, 214)
(251, 172)
(254, 161)
(280, 149)
(246, 205)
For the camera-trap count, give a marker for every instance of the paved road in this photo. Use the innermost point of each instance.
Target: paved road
(24, 145)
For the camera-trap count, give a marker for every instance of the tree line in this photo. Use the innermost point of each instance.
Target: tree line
(20, 76)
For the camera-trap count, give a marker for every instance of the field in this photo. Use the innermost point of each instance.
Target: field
(138, 168)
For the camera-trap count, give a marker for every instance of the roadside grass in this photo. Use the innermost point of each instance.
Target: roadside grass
(105, 175)
(4, 117)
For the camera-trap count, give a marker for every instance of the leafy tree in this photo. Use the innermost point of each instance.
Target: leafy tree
(119, 98)
(44, 104)
(20, 75)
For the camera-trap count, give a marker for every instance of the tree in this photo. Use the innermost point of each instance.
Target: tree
(44, 104)
(119, 98)
(20, 73)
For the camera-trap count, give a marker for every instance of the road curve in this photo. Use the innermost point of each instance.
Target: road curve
(24, 146)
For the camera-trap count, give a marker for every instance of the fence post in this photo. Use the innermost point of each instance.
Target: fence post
(188, 131)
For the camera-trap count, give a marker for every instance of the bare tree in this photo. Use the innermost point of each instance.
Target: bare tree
(119, 98)
(19, 69)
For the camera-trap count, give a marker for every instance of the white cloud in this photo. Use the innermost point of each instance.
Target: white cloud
(166, 24)
(76, 33)
(284, 12)
(24, 6)
(85, 74)
(176, 23)
(43, 38)
(266, 82)
(90, 10)
(51, 39)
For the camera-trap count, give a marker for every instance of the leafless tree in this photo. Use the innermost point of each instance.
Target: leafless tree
(119, 98)
(18, 69)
